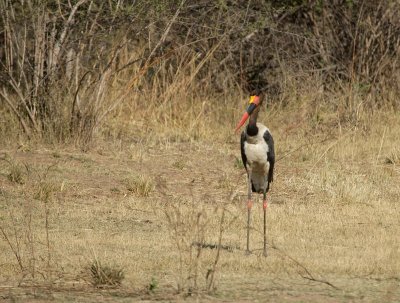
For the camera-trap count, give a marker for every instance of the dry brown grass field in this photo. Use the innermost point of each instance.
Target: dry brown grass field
(159, 213)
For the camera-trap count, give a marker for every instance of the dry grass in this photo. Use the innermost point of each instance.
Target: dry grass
(141, 185)
(105, 275)
(333, 223)
(162, 191)
(16, 171)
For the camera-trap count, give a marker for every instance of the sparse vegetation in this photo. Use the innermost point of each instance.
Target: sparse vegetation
(238, 163)
(153, 284)
(225, 183)
(136, 102)
(105, 275)
(16, 173)
(44, 191)
(180, 164)
(141, 185)
(189, 225)
(26, 228)
(393, 157)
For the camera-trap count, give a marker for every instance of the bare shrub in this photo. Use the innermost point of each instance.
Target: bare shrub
(58, 65)
(190, 223)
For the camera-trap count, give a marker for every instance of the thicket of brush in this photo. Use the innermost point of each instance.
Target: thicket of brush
(67, 66)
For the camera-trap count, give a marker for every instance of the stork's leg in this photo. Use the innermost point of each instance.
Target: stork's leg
(249, 206)
(265, 204)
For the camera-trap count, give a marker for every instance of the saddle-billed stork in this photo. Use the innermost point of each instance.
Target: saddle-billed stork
(258, 156)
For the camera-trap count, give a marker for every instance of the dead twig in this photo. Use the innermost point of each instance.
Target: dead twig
(308, 275)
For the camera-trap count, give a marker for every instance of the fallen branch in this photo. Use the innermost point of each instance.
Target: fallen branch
(309, 276)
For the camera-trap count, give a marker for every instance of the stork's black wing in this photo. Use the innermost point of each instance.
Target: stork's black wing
(270, 154)
(242, 140)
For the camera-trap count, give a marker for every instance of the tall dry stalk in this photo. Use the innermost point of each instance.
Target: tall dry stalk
(28, 234)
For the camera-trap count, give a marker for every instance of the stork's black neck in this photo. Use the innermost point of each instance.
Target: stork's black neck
(252, 129)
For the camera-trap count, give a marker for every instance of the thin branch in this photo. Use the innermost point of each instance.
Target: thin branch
(211, 273)
(13, 249)
(168, 28)
(67, 25)
(15, 111)
(309, 276)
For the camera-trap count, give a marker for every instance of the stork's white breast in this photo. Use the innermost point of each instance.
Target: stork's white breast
(256, 148)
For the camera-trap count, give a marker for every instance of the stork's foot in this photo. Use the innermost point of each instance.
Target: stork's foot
(248, 252)
(265, 253)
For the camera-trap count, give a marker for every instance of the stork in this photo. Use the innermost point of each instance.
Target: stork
(258, 156)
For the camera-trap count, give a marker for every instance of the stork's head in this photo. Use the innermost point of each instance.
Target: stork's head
(256, 99)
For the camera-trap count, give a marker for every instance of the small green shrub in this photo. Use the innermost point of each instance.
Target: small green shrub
(153, 285)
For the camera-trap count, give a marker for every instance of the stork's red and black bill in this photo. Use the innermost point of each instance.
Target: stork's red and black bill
(254, 102)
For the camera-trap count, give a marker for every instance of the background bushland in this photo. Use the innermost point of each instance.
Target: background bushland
(66, 66)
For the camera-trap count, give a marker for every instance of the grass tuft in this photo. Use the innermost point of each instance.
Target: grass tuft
(105, 275)
(179, 164)
(142, 186)
(45, 190)
(393, 157)
(16, 174)
(238, 163)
